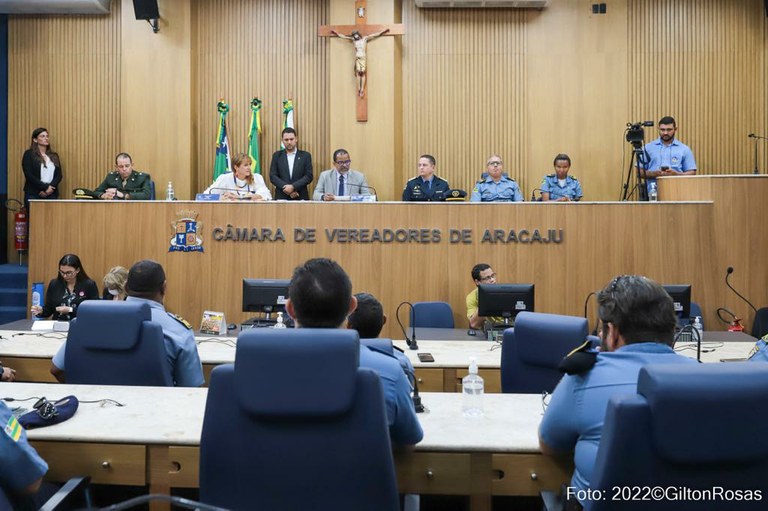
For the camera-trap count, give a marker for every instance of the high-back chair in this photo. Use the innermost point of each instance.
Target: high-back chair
(689, 427)
(295, 424)
(116, 343)
(432, 315)
(532, 351)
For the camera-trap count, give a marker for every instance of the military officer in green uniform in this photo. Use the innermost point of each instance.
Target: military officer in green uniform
(125, 183)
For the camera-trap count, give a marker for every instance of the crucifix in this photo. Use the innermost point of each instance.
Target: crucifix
(359, 35)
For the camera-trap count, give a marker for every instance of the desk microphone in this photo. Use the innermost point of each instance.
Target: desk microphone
(533, 193)
(728, 274)
(360, 188)
(586, 303)
(412, 341)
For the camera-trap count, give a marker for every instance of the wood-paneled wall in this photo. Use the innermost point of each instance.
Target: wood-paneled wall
(267, 49)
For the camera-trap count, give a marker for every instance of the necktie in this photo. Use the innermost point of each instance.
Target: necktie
(429, 186)
(341, 185)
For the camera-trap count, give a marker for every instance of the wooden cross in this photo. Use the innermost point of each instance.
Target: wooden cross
(364, 33)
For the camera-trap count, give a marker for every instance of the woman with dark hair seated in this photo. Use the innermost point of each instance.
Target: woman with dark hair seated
(67, 291)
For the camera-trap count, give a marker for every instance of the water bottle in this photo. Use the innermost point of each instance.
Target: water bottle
(699, 329)
(653, 192)
(169, 194)
(472, 388)
(280, 322)
(37, 296)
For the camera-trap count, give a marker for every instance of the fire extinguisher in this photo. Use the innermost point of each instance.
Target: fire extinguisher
(20, 224)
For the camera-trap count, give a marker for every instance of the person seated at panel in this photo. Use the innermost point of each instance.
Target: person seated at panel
(666, 156)
(496, 187)
(340, 180)
(482, 274)
(426, 186)
(67, 291)
(114, 284)
(42, 169)
(7, 373)
(320, 296)
(290, 171)
(638, 322)
(125, 183)
(147, 284)
(560, 187)
(241, 183)
(21, 467)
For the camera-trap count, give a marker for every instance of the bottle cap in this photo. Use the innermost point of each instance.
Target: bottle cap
(472, 365)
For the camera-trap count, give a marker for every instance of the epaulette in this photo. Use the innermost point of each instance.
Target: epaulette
(441, 179)
(550, 175)
(580, 360)
(413, 178)
(180, 320)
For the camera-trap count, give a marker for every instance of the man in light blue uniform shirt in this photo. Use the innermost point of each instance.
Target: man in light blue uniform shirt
(638, 325)
(147, 284)
(666, 156)
(21, 468)
(561, 187)
(320, 296)
(496, 187)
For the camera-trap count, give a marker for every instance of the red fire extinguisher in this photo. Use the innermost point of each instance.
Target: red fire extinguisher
(20, 222)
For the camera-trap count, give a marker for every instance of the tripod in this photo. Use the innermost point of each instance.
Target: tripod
(638, 156)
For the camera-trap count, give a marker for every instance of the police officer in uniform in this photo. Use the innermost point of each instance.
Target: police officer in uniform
(638, 326)
(495, 186)
(146, 283)
(21, 467)
(426, 186)
(124, 183)
(560, 186)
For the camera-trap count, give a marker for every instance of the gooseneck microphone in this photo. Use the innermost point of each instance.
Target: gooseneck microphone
(412, 344)
(727, 275)
(360, 188)
(586, 304)
(533, 193)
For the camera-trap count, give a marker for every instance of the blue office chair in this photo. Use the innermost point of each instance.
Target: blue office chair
(432, 315)
(295, 424)
(533, 349)
(695, 426)
(116, 343)
(760, 324)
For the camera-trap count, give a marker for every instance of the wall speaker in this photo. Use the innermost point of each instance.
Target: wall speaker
(766, 7)
(146, 9)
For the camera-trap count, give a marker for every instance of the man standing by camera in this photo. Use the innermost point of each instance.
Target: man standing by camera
(666, 156)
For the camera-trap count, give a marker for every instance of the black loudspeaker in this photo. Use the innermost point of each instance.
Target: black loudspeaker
(146, 9)
(766, 7)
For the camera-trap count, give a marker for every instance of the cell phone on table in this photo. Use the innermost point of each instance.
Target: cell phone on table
(426, 357)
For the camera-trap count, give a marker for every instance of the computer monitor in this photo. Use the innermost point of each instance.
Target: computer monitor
(265, 295)
(504, 300)
(681, 297)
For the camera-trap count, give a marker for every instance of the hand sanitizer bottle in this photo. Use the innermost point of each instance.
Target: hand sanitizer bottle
(280, 323)
(472, 387)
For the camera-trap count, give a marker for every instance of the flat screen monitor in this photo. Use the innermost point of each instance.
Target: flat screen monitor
(504, 300)
(265, 295)
(681, 297)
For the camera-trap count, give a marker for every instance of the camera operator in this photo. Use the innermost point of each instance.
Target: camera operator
(666, 156)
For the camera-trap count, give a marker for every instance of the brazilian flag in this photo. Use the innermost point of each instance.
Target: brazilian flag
(253, 135)
(222, 165)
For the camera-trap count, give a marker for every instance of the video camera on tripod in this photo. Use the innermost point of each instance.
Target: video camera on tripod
(635, 135)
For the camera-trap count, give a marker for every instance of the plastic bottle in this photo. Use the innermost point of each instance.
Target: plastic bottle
(280, 323)
(472, 388)
(699, 329)
(37, 296)
(169, 193)
(653, 192)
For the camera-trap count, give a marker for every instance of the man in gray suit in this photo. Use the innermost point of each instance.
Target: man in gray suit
(340, 180)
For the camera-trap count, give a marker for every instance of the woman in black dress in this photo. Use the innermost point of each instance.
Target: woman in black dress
(67, 291)
(42, 169)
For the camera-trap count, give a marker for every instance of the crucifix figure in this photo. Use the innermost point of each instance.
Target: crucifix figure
(360, 34)
(360, 43)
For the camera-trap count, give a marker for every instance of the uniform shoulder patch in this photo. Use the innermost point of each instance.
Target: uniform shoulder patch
(441, 179)
(580, 360)
(13, 429)
(181, 320)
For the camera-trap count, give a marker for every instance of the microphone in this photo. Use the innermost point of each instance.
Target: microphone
(752, 135)
(363, 187)
(533, 193)
(417, 405)
(586, 303)
(647, 123)
(412, 341)
(727, 275)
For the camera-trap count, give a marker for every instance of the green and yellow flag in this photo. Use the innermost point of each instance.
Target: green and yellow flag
(288, 121)
(222, 164)
(253, 135)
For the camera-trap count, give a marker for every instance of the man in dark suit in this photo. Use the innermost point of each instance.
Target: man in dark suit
(291, 169)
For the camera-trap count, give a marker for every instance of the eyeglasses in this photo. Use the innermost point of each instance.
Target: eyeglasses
(545, 397)
(494, 163)
(67, 273)
(490, 277)
(344, 163)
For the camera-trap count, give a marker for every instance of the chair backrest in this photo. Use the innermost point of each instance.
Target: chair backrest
(152, 195)
(694, 426)
(295, 424)
(432, 315)
(532, 351)
(116, 343)
(760, 325)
